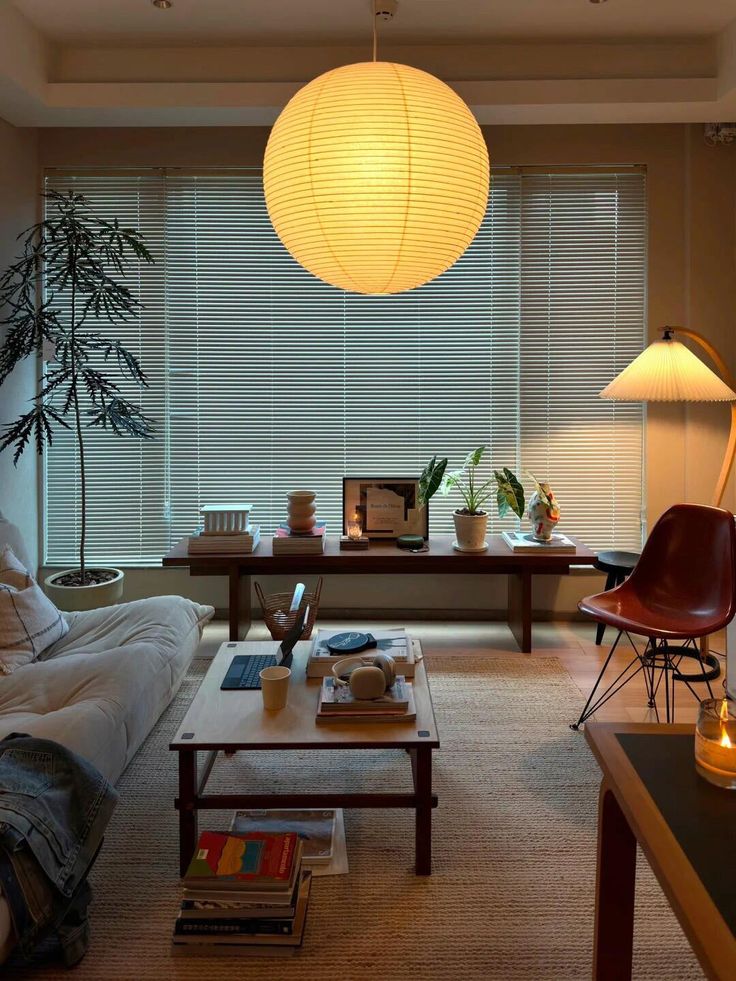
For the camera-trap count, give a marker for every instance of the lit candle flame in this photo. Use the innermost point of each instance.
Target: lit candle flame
(723, 715)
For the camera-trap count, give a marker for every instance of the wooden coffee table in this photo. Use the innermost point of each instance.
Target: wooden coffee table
(233, 721)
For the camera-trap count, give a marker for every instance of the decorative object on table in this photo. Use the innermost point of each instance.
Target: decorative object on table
(343, 703)
(544, 512)
(668, 600)
(80, 260)
(388, 176)
(715, 742)
(471, 521)
(366, 677)
(225, 519)
(316, 829)
(395, 642)
(388, 506)
(524, 541)
(617, 566)
(355, 528)
(667, 371)
(301, 510)
(225, 530)
(280, 612)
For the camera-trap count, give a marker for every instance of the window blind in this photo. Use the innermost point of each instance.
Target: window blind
(264, 379)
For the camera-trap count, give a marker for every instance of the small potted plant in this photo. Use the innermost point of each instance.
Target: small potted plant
(67, 282)
(471, 521)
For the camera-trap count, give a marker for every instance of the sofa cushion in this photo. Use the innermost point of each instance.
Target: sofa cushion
(29, 621)
(10, 535)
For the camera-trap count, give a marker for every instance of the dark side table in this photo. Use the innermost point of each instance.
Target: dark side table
(651, 795)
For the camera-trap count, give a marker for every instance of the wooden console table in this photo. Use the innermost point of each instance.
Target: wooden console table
(384, 558)
(651, 794)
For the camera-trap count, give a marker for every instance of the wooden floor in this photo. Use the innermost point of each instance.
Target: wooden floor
(572, 643)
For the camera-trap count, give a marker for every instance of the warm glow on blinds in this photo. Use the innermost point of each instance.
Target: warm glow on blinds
(265, 379)
(376, 177)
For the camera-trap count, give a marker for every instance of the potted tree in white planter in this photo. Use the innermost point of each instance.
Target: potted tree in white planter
(67, 280)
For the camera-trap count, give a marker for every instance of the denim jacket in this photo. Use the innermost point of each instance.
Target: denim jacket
(54, 808)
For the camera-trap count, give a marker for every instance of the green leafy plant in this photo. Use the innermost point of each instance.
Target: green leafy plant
(474, 491)
(431, 479)
(509, 493)
(69, 272)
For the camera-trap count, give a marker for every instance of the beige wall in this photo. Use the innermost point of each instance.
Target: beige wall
(691, 281)
(18, 204)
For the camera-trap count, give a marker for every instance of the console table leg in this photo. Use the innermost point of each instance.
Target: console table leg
(520, 609)
(187, 812)
(422, 768)
(238, 604)
(614, 892)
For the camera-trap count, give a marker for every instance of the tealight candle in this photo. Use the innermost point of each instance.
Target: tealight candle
(355, 529)
(715, 742)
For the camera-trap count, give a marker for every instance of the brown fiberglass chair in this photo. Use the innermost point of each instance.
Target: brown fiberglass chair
(681, 589)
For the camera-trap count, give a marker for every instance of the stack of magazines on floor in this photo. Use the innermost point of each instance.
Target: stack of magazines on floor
(244, 890)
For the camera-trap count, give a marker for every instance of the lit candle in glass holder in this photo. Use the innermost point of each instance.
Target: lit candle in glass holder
(715, 742)
(355, 528)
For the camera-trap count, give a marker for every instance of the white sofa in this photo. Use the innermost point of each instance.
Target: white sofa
(101, 688)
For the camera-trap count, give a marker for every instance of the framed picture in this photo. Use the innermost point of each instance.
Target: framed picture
(387, 506)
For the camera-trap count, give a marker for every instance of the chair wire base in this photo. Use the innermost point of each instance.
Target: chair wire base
(659, 662)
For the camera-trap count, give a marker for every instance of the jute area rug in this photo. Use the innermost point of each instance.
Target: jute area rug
(511, 896)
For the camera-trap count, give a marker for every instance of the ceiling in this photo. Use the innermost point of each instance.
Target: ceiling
(320, 21)
(237, 62)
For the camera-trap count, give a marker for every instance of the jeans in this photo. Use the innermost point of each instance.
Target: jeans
(54, 808)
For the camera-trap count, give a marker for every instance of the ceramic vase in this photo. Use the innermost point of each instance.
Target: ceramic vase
(543, 518)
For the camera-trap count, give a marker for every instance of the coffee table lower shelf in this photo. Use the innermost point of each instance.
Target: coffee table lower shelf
(192, 799)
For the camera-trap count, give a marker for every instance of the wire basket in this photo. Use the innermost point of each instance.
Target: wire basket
(277, 616)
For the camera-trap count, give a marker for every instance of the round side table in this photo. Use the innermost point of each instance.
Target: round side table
(617, 565)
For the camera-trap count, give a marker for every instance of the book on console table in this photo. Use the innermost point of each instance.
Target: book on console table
(236, 543)
(520, 541)
(287, 542)
(395, 642)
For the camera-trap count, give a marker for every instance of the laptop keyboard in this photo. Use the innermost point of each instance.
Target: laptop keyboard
(248, 669)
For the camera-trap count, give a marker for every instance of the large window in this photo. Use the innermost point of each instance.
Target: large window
(264, 379)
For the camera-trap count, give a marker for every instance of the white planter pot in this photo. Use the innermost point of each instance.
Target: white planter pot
(470, 532)
(71, 598)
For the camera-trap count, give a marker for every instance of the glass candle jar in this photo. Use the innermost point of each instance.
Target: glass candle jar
(715, 742)
(355, 528)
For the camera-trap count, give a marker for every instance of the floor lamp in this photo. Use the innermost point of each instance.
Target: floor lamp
(667, 371)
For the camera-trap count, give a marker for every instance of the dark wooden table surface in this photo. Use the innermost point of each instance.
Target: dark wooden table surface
(652, 794)
(384, 558)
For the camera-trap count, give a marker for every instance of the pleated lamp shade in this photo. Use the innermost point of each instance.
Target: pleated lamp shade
(376, 177)
(667, 371)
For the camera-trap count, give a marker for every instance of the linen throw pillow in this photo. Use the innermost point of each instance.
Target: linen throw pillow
(29, 621)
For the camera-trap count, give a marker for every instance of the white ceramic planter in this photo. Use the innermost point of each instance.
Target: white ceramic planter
(470, 531)
(71, 598)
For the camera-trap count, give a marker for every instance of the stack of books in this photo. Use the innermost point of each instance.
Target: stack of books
(520, 541)
(395, 642)
(244, 890)
(239, 543)
(337, 704)
(312, 542)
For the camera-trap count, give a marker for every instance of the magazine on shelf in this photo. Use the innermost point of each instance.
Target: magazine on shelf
(523, 541)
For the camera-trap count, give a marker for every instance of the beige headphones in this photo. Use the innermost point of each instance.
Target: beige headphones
(368, 677)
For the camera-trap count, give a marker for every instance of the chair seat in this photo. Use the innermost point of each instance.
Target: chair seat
(623, 609)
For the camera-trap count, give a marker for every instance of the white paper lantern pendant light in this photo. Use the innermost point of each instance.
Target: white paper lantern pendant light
(376, 177)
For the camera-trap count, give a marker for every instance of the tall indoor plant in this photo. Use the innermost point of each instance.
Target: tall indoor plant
(67, 281)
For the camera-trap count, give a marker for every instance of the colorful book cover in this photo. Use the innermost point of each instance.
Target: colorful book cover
(254, 857)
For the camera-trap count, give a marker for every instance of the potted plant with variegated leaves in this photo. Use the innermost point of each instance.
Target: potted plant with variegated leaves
(471, 520)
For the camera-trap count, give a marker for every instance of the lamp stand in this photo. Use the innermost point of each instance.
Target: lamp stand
(728, 378)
